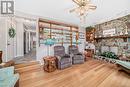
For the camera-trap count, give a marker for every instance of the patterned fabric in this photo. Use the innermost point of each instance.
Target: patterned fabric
(59, 51)
(63, 60)
(73, 50)
(77, 57)
(7, 77)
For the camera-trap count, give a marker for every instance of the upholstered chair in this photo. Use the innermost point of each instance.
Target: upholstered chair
(63, 60)
(77, 57)
(8, 78)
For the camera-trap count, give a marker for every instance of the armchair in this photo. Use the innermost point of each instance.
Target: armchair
(8, 78)
(77, 57)
(63, 60)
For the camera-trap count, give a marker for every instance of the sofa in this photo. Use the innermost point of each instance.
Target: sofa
(77, 57)
(63, 60)
(8, 78)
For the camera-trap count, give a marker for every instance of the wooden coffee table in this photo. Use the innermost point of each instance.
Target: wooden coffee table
(49, 63)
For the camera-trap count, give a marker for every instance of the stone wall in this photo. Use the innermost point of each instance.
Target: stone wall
(122, 27)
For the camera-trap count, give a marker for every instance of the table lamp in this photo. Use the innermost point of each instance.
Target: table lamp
(77, 42)
(49, 42)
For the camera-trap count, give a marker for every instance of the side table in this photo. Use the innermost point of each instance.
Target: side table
(88, 54)
(49, 63)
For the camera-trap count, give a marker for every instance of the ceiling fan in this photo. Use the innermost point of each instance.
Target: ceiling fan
(83, 7)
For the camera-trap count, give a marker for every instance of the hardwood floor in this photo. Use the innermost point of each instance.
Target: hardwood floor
(92, 73)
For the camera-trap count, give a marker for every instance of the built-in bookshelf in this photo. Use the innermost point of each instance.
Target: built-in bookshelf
(62, 33)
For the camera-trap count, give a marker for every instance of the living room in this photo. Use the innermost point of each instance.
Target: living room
(64, 43)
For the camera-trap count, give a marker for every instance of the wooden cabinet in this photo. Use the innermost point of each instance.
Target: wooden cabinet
(90, 34)
(61, 33)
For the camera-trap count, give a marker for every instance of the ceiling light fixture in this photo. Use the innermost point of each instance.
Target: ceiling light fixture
(83, 7)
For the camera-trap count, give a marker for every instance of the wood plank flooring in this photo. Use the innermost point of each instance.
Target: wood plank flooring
(92, 73)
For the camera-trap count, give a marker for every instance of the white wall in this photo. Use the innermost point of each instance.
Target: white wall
(83, 41)
(19, 38)
(16, 47)
(3, 43)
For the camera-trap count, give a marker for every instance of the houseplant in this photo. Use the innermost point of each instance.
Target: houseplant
(109, 54)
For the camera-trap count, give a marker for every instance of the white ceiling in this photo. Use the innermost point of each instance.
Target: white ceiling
(59, 10)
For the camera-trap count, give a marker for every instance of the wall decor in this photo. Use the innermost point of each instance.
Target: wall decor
(109, 32)
(12, 32)
(81, 35)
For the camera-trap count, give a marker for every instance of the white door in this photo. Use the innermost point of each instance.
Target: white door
(10, 49)
(11, 45)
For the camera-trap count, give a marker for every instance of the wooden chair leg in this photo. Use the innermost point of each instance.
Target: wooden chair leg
(17, 84)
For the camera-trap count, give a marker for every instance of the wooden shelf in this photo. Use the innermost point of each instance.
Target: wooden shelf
(51, 29)
(124, 37)
(121, 36)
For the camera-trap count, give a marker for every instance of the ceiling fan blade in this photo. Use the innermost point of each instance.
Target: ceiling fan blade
(92, 7)
(75, 9)
(76, 1)
(72, 10)
(88, 0)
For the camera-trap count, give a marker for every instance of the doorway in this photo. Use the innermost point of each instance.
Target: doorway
(29, 44)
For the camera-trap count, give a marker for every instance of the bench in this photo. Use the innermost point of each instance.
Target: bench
(123, 65)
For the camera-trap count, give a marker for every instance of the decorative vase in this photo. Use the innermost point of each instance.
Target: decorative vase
(121, 33)
(126, 32)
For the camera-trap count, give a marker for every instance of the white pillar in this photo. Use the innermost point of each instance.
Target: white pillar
(29, 41)
(20, 38)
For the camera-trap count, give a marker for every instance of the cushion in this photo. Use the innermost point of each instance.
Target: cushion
(65, 60)
(6, 72)
(3, 76)
(9, 82)
(124, 64)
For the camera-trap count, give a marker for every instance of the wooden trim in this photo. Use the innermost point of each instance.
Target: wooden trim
(121, 36)
(71, 39)
(57, 23)
(50, 31)
(17, 83)
(59, 29)
(77, 38)
(62, 38)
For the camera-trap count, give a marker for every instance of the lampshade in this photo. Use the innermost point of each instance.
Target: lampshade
(77, 42)
(49, 41)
